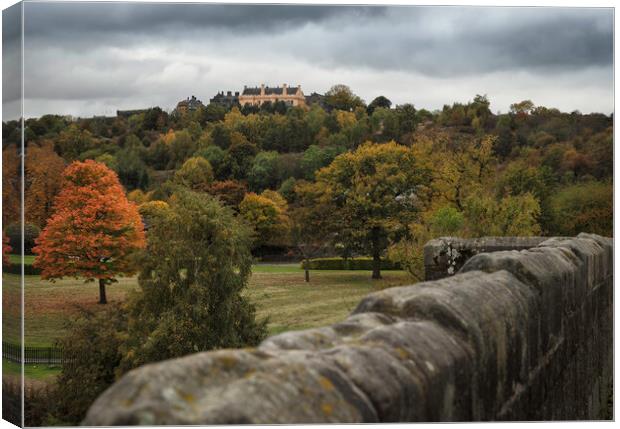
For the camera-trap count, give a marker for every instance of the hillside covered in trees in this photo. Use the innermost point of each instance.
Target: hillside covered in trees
(341, 178)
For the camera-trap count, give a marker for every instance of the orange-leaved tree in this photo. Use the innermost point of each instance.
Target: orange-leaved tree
(43, 172)
(94, 229)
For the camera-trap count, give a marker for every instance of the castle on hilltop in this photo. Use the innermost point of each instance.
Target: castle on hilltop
(188, 105)
(255, 96)
(292, 96)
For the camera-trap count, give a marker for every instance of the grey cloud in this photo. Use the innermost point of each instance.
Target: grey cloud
(91, 52)
(11, 64)
(469, 40)
(482, 41)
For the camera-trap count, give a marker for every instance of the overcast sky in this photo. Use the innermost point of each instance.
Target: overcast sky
(89, 59)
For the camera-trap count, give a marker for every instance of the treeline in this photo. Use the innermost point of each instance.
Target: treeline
(260, 159)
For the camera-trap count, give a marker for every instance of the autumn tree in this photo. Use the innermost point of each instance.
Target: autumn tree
(192, 276)
(6, 250)
(94, 230)
(268, 218)
(309, 232)
(43, 175)
(583, 207)
(508, 216)
(374, 193)
(151, 211)
(196, 174)
(230, 192)
(11, 185)
(438, 221)
(457, 170)
(341, 97)
(522, 108)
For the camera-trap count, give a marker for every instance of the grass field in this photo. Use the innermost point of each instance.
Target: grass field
(16, 259)
(278, 290)
(37, 372)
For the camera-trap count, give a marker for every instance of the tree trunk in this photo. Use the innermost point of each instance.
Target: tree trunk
(307, 275)
(102, 297)
(376, 256)
(376, 266)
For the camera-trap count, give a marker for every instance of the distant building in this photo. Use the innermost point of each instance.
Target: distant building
(188, 105)
(227, 100)
(292, 96)
(128, 113)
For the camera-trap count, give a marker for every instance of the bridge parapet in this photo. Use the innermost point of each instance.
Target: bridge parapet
(444, 256)
(515, 335)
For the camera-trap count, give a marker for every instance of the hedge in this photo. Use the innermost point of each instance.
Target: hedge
(15, 267)
(361, 263)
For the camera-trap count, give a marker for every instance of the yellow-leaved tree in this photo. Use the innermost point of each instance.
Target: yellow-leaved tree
(372, 195)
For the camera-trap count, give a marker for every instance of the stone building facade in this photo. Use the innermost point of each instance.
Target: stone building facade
(188, 105)
(292, 96)
(227, 100)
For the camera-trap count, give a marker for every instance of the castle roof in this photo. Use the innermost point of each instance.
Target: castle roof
(270, 90)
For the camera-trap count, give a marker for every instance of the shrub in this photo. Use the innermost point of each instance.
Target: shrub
(93, 348)
(361, 263)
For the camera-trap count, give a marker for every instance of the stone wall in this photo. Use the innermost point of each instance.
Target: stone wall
(444, 256)
(516, 335)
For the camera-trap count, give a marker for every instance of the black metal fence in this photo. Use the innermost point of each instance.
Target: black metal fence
(32, 355)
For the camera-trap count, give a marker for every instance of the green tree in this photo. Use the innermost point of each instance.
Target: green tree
(375, 192)
(316, 157)
(131, 169)
(72, 142)
(220, 136)
(268, 219)
(341, 97)
(447, 221)
(196, 174)
(92, 348)
(583, 207)
(196, 266)
(380, 101)
(520, 178)
(215, 155)
(287, 189)
(181, 148)
(522, 108)
(238, 160)
(407, 120)
(265, 171)
(509, 216)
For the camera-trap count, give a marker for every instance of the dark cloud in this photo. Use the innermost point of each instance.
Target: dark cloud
(11, 61)
(45, 19)
(109, 53)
